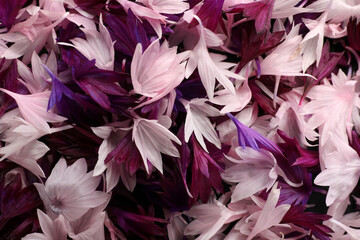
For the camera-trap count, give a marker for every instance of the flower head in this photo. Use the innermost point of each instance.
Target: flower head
(70, 191)
(156, 71)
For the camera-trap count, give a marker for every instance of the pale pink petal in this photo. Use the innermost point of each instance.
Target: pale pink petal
(35, 81)
(286, 59)
(36, 66)
(105, 148)
(331, 30)
(270, 214)
(208, 67)
(233, 103)
(197, 122)
(286, 8)
(33, 108)
(113, 174)
(32, 84)
(339, 10)
(313, 41)
(289, 119)
(54, 230)
(36, 236)
(70, 191)
(176, 227)
(352, 233)
(342, 172)
(89, 227)
(112, 136)
(151, 138)
(17, 49)
(257, 169)
(157, 71)
(24, 46)
(210, 218)
(140, 11)
(128, 180)
(53, 10)
(28, 155)
(22, 146)
(339, 99)
(98, 46)
(154, 18)
(80, 20)
(166, 6)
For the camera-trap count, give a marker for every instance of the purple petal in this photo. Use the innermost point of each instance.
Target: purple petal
(126, 35)
(250, 138)
(57, 90)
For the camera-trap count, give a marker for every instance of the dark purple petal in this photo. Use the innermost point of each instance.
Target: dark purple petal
(8, 12)
(27, 225)
(264, 101)
(184, 161)
(8, 80)
(251, 44)
(353, 31)
(174, 195)
(138, 31)
(296, 173)
(308, 221)
(97, 91)
(139, 225)
(355, 142)
(96, 94)
(74, 143)
(15, 201)
(126, 151)
(205, 173)
(128, 34)
(304, 157)
(75, 107)
(190, 89)
(57, 90)
(91, 6)
(97, 83)
(104, 80)
(69, 55)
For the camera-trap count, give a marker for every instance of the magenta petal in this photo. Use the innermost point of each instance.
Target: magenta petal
(8, 11)
(211, 11)
(353, 31)
(308, 221)
(260, 11)
(205, 173)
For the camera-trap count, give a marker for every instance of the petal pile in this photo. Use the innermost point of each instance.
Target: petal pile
(180, 119)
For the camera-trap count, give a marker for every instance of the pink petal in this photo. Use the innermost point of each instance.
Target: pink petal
(33, 108)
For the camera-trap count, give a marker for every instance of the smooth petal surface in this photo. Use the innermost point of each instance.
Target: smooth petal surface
(152, 139)
(270, 214)
(157, 71)
(197, 122)
(33, 108)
